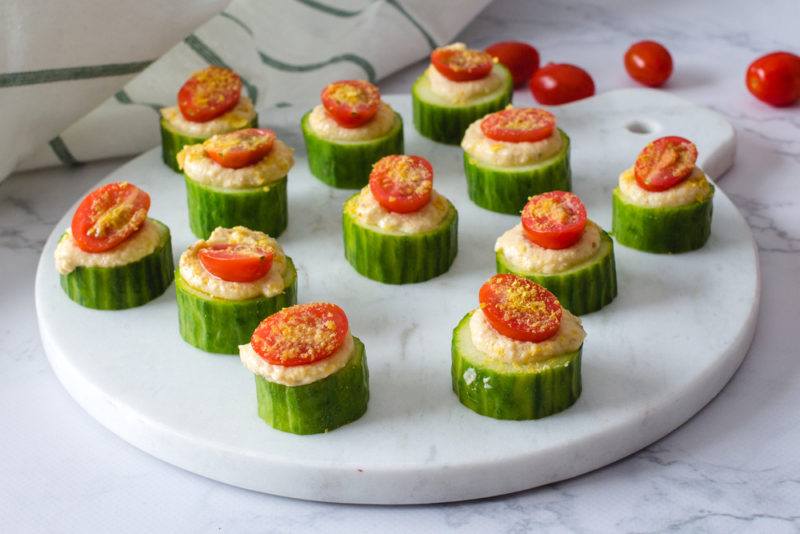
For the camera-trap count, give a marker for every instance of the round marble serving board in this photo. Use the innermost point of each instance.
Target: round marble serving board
(654, 357)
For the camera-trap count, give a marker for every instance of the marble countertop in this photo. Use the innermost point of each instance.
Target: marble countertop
(735, 467)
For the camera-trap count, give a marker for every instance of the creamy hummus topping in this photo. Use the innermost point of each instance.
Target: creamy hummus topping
(69, 255)
(368, 212)
(504, 154)
(326, 127)
(236, 119)
(693, 189)
(202, 169)
(199, 278)
(523, 255)
(498, 347)
(297, 375)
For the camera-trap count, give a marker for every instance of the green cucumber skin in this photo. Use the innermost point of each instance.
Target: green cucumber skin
(348, 165)
(219, 325)
(126, 286)
(507, 191)
(173, 142)
(321, 406)
(264, 209)
(447, 124)
(581, 290)
(662, 230)
(553, 387)
(400, 259)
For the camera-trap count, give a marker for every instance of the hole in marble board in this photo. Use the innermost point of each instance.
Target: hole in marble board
(642, 127)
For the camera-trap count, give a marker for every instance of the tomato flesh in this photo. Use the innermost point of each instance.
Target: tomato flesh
(301, 334)
(775, 78)
(520, 58)
(665, 163)
(351, 103)
(241, 148)
(554, 220)
(556, 84)
(209, 93)
(462, 65)
(520, 308)
(402, 184)
(518, 125)
(236, 263)
(649, 63)
(109, 215)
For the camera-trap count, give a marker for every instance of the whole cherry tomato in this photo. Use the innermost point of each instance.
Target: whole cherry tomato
(559, 83)
(775, 78)
(649, 63)
(520, 58)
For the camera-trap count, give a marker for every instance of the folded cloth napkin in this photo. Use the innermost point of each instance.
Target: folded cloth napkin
(65, 59)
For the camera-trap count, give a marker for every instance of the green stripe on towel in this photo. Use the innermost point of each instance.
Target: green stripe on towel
(412, 20)
(32, 77)
(330, 10)
(62, 152)
(289, 67)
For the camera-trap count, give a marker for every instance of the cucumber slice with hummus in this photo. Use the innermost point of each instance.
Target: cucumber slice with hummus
(582, 289)
(173, 141)
(666, 230)
(320, 406)
(512, 391)
(347, 165)
(445, 122)
(220, 325)
(394, 258)
(260, 208)
(123, 286)
(507, 189)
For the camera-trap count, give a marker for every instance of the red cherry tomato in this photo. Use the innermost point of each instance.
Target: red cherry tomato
(554, 220)
(241, 148)
(665, 163)
(649, 63)
(301, 334)
(519, 308)
(520, 58)
(518, 125)
(775, 78)
(351, 103)
(462, 65)
(209, 93)
(556, 84)
(236, 263)
(109, 215)
(402, 184)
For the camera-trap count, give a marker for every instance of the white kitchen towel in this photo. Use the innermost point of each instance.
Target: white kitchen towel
(284, 50)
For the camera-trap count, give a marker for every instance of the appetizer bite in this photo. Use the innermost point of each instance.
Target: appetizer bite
(351, 130)
(555, 245)
(227, 283)
(209, 103)
(664, 203)
(238, 178)
(114, 256)
(311, 372)
(518, 355)
(460, 86)
(398, 230)
(513, 154)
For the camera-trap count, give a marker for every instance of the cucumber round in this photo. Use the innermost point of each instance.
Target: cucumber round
(508, 391)
(662, 230)
(398, 258)
(507, 189)
(173, 141)
(321, 406)
(347, 165)
(445, 122)
(125, 286)
(220, 325)
(582, 289)
(259, 208)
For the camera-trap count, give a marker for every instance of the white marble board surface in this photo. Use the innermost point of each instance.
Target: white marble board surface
(653, 358)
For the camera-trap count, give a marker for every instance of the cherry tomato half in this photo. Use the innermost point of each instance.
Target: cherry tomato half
(554, 220)
(520, 58)
(775, 78)
(665, 163)
(209, 93)
(462, 65)
(517, 125)
(351, 103)
(109, 215)
(402, 184)
(649, 63)
(556, 84)
(236, 263)
(519, 308)
(241, 148)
